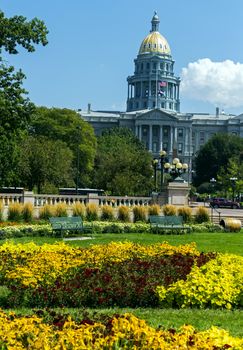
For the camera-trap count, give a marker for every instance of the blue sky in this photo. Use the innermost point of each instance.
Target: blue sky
(92, 45)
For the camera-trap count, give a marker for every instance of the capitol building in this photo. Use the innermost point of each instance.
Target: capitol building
(153, 106)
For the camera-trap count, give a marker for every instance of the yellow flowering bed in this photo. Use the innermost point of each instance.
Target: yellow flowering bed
(30, 265)
(218, 283)
(120, 332)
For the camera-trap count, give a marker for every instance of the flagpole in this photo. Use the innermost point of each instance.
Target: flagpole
(156, 89)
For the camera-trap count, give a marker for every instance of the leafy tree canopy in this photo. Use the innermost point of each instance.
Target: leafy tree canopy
(123, 165)
(44, 162)
(66, 125)
(15, 108)
(214, 157)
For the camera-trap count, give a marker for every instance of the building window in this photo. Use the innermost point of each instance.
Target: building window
(154, 65)
(202, 137)
(153, 104)
(165, 146)
(141, 67)
(145, 131)
(155, 131)
(148, 66)
(136, 104)
(154, 146)
(145, 104)
(162, 105)
(149, 46)
(170, 105)
(180, 148)
(155, 46)
(180, 133)
(160, 45)
(165, 132)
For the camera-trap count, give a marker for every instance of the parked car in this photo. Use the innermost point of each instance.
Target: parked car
(224, 203)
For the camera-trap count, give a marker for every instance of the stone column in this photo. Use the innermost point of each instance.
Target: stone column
(161, 137)
(150, 137)
(140, 132)
(171, 139)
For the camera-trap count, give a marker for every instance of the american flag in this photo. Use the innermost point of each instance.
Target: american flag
(162, 83)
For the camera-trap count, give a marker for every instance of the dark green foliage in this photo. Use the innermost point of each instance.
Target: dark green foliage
(66, 125)
(15, 108)
(215, 155)
(122, 165)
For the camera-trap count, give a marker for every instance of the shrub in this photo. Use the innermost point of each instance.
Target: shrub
(27, 212)
(231, 225)
(46, 212)
(15, 211)
(139, 213)
(186, 213)
(216, 284)
(107, 213)
(123, 213)
(154, 209)
(78, 209)
(169, 210)
(60, 209)
(91, 212)
(201, 215)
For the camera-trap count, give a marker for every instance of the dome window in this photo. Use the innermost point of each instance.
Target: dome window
(155, 46)
(160, 45)
(149, 46)
(144, 46)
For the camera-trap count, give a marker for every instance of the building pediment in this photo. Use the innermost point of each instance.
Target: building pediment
(157, 115)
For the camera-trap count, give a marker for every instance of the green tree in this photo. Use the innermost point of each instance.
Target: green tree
(15, 108)
(44, 164)
(123, 165)
(67, 126)
(215, 155)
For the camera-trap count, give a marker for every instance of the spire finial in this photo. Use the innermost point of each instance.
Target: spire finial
(155, 22)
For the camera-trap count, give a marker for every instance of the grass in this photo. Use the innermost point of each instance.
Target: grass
(223, 242)
(167, 318)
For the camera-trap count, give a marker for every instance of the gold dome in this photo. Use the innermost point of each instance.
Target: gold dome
(155, 43)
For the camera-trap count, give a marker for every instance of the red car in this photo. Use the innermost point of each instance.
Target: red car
(224, 203)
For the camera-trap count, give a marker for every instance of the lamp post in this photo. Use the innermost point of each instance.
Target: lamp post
(175, 169)
(213, 182)
(233, 184)
(162, 163)
(155, 165)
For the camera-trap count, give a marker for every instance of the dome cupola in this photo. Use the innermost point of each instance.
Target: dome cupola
(154, 41)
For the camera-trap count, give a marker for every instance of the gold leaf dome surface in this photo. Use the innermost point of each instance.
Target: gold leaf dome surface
(155, 43)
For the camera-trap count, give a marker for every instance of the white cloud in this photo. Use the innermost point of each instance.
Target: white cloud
(220, 83)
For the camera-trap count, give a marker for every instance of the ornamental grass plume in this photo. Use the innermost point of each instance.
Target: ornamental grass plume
(60, 209)
(139, 213)
(123, 213)
(107, 213)
(46, 212)
(1, 210)
(78, 209)
(154, 209)
(92, 212)
(27, 212)
(201, 215)
(15, 211)
(169, 210)
(186, 213)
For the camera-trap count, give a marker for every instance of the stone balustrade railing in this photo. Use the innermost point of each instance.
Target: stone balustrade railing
(38, 200)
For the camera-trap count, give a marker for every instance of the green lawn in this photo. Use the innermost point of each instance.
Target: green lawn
(200, 319)
(221, 242)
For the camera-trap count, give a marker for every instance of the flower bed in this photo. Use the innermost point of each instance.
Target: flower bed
(27, 230)
(121, 274)
(118, 332)
(60, 275)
